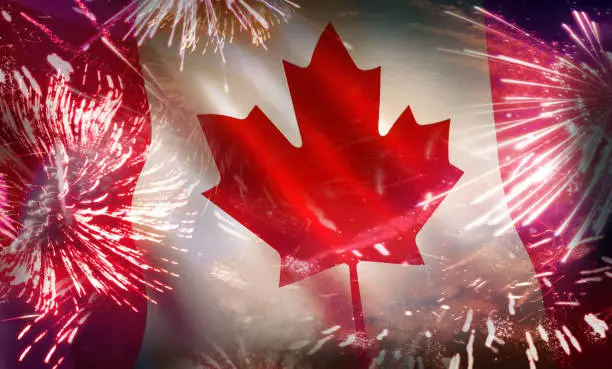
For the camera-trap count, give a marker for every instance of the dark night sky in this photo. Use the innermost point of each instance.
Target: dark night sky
(544, 17)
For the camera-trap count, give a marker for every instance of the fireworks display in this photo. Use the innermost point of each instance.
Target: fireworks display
(215, 21)
(554, 117)
(80, 147)
(552, 110)
(70, 165)
(79, 207)
(65, 224)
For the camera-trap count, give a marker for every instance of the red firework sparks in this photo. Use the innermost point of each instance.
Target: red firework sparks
(64, 228)
(75, 192)
(64, 224)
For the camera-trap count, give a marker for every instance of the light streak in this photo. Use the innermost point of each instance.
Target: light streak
(468, 321)
(470, 350)
(562, 341)
(599, 326)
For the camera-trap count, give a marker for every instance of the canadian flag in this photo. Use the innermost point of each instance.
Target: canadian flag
(345, 199)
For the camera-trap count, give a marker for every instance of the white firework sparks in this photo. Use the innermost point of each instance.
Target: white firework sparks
(214, 20)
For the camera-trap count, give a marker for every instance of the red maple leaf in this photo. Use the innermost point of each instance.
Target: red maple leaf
(347, 194)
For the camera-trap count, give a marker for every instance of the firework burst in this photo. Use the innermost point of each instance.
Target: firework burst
(70, 164)
(81, 147)
(218, 20)
(553, 111)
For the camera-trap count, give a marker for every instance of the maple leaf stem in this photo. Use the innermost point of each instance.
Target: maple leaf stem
(358, 317)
